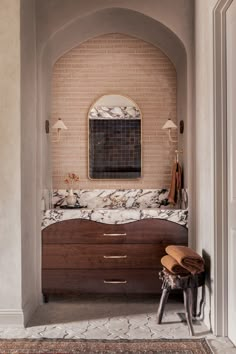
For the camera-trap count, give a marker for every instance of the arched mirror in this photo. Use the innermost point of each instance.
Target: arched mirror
(114, 138)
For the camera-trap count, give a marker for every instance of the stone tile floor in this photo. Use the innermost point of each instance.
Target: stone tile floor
(113, 317)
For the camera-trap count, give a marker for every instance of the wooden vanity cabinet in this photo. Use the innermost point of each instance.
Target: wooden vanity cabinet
(83, 256)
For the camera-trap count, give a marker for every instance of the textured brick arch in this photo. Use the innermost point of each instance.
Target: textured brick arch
(113, 63)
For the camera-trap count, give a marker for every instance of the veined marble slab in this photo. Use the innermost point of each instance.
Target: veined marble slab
(105, 112)
(115, 216)
(115, 198)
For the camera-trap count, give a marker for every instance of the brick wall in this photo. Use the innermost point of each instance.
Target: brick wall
(113, 63)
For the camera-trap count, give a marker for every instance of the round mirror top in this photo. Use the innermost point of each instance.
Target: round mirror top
(114, 107)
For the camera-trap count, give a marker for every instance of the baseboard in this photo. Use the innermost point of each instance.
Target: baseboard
(207, 319)
(18, 317)
(28, 310)
(11, 317)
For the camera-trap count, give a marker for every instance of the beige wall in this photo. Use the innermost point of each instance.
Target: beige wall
(122, 64)
(204, 135)
(30, 187)
(10, 157)
(19, 258)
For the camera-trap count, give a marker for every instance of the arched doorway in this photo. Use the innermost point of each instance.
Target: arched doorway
(110, 21)
(224, 166)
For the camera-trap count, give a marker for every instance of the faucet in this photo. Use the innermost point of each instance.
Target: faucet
(118, 202)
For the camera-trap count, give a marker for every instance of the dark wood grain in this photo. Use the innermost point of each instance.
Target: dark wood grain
(98, 256)
(73, 256)
(81, 281)
(141, 231)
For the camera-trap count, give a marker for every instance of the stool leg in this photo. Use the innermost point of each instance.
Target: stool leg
(164, 297)
(194, 301)
(188, 310)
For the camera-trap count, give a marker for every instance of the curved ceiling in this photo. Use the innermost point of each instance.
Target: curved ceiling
(115, 20)
(176, 15)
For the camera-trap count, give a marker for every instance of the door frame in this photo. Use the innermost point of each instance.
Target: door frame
(220, 170)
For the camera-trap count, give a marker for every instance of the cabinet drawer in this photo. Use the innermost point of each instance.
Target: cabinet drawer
(83, 231)
(102, 256)
(101, 282)
(141, 231)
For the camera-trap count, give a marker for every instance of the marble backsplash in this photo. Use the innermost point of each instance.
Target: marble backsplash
(115, 198)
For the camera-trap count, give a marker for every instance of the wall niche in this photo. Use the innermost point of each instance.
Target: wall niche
(113, 63)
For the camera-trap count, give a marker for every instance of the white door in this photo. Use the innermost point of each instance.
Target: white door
(231, 161)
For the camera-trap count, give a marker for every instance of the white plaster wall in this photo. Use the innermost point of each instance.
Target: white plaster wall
(10, 157)
(30, 187)
(177, 15)
(19, 240)
(204, 135)
(231, 160)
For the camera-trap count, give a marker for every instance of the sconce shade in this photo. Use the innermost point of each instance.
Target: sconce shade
(59, 125)
(169, 124)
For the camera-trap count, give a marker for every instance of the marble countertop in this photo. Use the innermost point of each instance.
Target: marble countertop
(115, 216)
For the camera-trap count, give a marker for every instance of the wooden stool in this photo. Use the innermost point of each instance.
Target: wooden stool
(187, 283)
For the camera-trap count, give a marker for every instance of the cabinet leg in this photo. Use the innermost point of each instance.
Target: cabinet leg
(45, 298)
(188, 310)
(163, 300)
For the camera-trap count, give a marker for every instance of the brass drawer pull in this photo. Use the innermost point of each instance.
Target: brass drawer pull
(115, 257)
(114, 234)
(115, 281)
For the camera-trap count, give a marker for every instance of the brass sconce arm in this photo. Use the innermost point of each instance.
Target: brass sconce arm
(170, 138)
(59, 125)
(170, 125)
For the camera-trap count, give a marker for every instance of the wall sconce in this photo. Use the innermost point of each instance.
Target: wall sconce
(170, 125)
(59, 125)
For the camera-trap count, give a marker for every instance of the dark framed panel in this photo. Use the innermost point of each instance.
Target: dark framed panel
(115, 140)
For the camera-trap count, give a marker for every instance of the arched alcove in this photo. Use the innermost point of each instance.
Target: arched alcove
(112, 20)
(103, 65)
(127, 22)
(48, 30)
